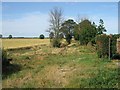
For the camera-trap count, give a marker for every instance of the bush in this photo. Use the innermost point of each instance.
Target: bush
(116, 56)
(102, 42)
(87, 32)
(104, 79)
(113, 45)
(5, 60)
(41, 36)
(56, 43)
(68, 38)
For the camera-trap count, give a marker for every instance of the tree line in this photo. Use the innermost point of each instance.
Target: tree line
(85, 31)
(41, 36)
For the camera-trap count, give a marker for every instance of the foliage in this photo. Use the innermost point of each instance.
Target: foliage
(76, 32)
(103, 79)
(41, 36)
(68, 38)
(87, 32)
(114, 38)
(56, 43)
(116, 56)
(61, 36)
(0, 35)
(51, 35)
(102, 42)
(103, 45)
(10, 36)
(101, 28)
(67, 29)
(5, 60)
(56, 19)
(113, 42)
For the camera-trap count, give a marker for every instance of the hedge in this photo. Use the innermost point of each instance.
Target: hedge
(102, 42)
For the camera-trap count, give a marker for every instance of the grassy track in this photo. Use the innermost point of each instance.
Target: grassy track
(74, 66)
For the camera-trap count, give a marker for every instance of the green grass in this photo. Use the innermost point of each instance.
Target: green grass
(73, 67)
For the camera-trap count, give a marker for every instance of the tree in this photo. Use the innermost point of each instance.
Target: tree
(0, 35)
(87, 31)
(67, 29)
(101, 27)
(41, 36)
(10, 36)
(51, 35)
(56, 19)
(76, 32)
(61, 36)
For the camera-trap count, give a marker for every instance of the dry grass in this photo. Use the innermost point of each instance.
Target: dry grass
(45, 66)
(16, 43)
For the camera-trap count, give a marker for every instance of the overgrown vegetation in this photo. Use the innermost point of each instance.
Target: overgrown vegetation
(75, 64)
(71, 67)
(5, 61)
(103, 47)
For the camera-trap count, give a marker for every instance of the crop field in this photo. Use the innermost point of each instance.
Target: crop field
(16, 43)
(42, 66)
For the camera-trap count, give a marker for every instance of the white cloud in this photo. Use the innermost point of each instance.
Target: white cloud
(32, 24)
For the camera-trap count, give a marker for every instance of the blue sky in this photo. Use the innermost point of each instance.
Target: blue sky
(31, 18)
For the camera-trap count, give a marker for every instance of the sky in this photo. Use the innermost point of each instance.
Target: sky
(30, 19)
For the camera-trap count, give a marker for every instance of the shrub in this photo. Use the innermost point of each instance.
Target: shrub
(87, 32)
(61, 36)
(5, 60)
(104, 79)
(116, 56)
(102, 42)
(68, 38)
(41, 36)
(56, 43)
(113, 45)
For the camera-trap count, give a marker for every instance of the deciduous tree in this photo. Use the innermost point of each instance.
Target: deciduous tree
(56, 19)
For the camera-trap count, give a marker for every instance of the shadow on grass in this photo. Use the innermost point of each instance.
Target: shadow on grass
(10, 69)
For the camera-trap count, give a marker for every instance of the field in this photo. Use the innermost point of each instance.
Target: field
(16, 43)
(41, 66)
